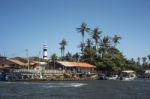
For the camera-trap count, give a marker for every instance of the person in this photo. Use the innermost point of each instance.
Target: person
(121, 76)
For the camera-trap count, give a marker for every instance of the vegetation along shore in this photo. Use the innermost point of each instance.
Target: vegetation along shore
(98, 54)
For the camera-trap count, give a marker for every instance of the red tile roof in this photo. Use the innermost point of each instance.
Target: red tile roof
(76, 64)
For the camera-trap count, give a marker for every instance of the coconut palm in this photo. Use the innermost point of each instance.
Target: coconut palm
(148, 58)
(105, 41)
(82, 29)
(82, 45)
(116, 39)
(63, 43)
(76, 56)
(69, 57)
(95, 34)
(138, 60)
(89, 54)
(89, 43)
(54, 59)
(144, 60)
(105, 44)
(61, 49)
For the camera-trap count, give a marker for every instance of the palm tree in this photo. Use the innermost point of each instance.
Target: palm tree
(54, 59)
(105, 44)
(61, 49)
(116, 39)
(144, 60)
(95, 34)
(148, 58)
(82, 45)
(105, 41)
(76, 56)
(63, 43)
(138, 60)
(82, 29)
(89, 43)
(68, 57)
(89, 54)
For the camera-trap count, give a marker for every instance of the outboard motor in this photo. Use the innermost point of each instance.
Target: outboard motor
(121, 76)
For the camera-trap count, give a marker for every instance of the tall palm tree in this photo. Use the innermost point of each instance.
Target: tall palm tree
(89, 43)
(138, 60)
(63, 43)
(144, 60)
(61, 49)
(89, 54)
(82, 45)
(54, 59)
(69, 57)
(148, 58)
(95, 34)
(105, 44)
(76, 56)
(82, 29)
(116, 39)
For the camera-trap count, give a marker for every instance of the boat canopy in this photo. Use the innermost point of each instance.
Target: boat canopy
(128, 71)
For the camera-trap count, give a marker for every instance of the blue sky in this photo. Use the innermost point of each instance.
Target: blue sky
(28, 24)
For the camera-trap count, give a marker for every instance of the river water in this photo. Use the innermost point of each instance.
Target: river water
(97, 89)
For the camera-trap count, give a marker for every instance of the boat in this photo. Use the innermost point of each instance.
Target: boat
(112, 77)
(127, 75)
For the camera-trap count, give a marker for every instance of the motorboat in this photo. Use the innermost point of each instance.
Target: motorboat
(127, 75)
(112, 77)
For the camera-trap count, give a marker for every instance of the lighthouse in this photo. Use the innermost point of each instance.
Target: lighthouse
(45, 54)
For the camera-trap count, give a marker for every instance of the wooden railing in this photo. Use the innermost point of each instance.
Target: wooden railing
(35, 71)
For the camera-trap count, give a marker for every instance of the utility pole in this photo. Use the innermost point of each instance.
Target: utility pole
(39, 57)
(27, 58)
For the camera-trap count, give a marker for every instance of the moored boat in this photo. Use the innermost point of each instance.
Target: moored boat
(127, 75)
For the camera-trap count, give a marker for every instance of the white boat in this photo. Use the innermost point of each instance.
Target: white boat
(112, 77)
(127, 75)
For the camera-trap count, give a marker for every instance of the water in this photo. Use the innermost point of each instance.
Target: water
(138, 89)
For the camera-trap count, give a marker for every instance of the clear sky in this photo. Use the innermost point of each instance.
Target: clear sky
(28, 24)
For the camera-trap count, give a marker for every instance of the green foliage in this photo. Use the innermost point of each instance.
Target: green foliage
(63, 44)
(105, 56)
(103, 53)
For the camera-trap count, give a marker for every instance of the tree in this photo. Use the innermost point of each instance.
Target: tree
(82, 45)
(89, 54)
(63, 43)
(54, 59)
(104, 45)
(95, 34)
(61, 49)
(148, 58)
(144, 60)
(82, 29)
(76, 56)
(138, 60)
(89, 43)
(114, 62)
(69, 57)
(116, 39)
(106, 41)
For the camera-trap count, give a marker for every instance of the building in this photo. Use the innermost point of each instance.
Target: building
(45, 53)
(73, 67)
(19, 62)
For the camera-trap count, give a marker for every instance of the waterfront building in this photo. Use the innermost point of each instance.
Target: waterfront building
(73, 67)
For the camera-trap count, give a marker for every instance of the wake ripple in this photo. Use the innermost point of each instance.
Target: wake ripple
(51, 85)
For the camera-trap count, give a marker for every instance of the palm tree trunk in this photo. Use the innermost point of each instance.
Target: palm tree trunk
(61, 53)
(83, 39)
(54, 64)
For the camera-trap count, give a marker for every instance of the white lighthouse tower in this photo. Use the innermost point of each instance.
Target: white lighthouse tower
(45, 54)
